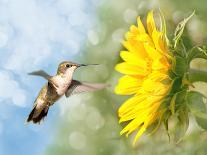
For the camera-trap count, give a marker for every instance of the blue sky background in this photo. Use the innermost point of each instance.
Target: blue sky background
(36, 34)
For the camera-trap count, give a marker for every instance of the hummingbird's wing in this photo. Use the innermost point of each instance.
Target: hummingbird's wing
(79, 87)
(40, 73)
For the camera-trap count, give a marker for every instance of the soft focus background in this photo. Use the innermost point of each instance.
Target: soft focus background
(37, 34)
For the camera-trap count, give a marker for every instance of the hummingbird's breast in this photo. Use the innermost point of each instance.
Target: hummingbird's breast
(62, 83)
(54, 89)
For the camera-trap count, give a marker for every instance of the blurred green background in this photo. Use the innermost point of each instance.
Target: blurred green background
(88, 124)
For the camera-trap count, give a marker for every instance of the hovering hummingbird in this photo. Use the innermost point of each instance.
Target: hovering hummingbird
(58, 85)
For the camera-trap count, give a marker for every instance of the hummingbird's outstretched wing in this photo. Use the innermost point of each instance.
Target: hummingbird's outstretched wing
(40, 73)
(79, 87)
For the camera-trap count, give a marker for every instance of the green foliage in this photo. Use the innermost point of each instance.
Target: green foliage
(181, 100)
(198, 108)
(182, 125)
(172, 104)
(197, 52)
(180, 66)
(197, 75)
(180, 29)
(166, 117)
(176, 86)
(178, 109)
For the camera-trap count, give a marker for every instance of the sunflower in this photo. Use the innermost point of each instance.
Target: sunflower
(146, 67)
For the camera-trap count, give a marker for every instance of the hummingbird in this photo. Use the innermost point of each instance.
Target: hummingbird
(58, 85)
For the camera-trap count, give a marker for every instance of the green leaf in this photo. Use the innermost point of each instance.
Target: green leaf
(198, 108)
(197, 75)
(197, 52)
(179, 29)
(203, 50)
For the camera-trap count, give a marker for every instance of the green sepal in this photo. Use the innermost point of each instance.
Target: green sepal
(178, 125)
(181, 66)
(181, 110)
(181, 125)
(198, 108)
(176, 86)
(171, 74)
(180, 29)
(166, 117)
(177, 101)
(180, 49)
(172, 104)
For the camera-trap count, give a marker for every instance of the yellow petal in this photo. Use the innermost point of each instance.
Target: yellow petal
(133, 59)
(152, 53)
(159, 41)
(150, 23)
(144, 39)
(133, 124)
(129, 35)
(129, 69)
(130, 103)
(148, 121)
(150, 86)
(133, 112)
(136, 48)
(139, 133)
(131, 116)
(158, 64)
(143, 107)
(134, 30)
(128, 85)
(140, 26)
(157, 76)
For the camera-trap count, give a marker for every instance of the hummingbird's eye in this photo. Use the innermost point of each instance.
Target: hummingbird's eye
(68, 66)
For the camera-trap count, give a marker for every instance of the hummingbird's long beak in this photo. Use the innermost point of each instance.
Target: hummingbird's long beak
(80, 65)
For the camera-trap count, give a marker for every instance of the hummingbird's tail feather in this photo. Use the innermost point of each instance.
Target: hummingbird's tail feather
(37, 118)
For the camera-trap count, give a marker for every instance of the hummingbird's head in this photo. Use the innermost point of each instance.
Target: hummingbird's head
(66, 66)
(69, 67)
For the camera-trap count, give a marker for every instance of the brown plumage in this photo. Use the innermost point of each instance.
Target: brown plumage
(45, 99)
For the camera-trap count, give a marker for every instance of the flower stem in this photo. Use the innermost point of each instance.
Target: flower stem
(197, 75)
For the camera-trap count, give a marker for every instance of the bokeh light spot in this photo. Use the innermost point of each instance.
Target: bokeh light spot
(77, 140)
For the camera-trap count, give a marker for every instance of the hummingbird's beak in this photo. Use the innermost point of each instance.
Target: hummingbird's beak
(80, 65)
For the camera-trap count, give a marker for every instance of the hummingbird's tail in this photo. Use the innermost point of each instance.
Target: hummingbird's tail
(36, 115)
